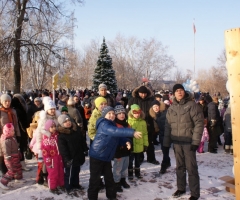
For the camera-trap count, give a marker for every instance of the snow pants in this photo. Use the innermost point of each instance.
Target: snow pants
(14, 169)
(71, 177)
(200, 148)
(186, 161)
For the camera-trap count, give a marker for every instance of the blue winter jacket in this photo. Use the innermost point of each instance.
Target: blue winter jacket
(108, 137)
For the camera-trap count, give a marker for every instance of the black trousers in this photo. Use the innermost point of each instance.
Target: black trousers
(165, 150)
(71, 177)
(213, 137)
(186, 161)
(98, 168)
(150, 149)
(134, 157)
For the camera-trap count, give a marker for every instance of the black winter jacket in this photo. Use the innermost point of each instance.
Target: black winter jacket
(71, 145)
(213, 113)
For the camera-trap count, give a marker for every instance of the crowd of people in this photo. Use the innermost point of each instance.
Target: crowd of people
(122, 128)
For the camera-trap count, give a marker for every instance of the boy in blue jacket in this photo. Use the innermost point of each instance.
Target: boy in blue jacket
(102, 151)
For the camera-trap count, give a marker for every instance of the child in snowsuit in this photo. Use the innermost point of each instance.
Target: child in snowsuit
(11, 153)
(205, 138)
(71, 147)
(52, 158)
(102, 152)
(121, 158)
(137, 122)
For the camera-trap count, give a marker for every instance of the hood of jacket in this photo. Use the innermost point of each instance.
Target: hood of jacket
(142, 115)
(149, 93)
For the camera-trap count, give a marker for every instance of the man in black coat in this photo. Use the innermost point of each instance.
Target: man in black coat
(143, 97)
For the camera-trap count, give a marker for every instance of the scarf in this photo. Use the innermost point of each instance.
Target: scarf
(122, 122)
(9, 112)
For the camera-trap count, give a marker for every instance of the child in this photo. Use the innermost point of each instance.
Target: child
(205, 138)
(52, 158)
(121, 158)
(11, 153)
(137, 122)
(71, 147)
(100, 103)
(64, 110)
(87, 111)
(159, 117)
(102, 152)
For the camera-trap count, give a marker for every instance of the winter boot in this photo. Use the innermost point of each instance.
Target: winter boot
(130, 174)
(24, 167)
(40, 179)
(118, 187)
(137, 173)
(124, 183)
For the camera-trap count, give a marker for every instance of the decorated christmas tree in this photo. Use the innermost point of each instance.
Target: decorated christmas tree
(104, 72)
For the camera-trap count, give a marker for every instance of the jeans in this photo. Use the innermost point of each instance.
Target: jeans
(120, 168)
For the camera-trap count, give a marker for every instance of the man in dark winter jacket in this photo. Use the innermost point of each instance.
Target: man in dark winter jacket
(184, 128)
(143, 97)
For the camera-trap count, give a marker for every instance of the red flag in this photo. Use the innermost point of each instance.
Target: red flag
(194, 28)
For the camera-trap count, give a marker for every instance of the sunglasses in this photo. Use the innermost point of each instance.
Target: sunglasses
(136, 111)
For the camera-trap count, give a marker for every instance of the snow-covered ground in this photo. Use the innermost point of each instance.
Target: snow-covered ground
(151, 187)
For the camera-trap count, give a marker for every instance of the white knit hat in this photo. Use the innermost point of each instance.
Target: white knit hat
(49, 105)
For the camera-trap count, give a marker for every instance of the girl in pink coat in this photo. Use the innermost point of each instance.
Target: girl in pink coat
(52, 158)
(205, 138)
(11, 153)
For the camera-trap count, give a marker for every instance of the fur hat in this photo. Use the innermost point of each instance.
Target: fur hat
(48, 124)
(63, 118)
(102, 85)
(177, 86)
(5, 97)
(49, 105)
(119, 109)
(155, 102)
(106, 110)
(70, 101)
(143, 89)
(99, 100)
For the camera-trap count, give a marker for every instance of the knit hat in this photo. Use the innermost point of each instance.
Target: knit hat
(5, 97)
(158, 95)
(106, 110)
(177, 86)
(167, 102)
(37, 99)
(119, 109)
(49, 105)
(70, 101)
(64, 108)
(155, 102)
(49, 123)
(99, 100)
(135, 107)
(7, 129)
(143, 89)
(102, 85)
(63, 118)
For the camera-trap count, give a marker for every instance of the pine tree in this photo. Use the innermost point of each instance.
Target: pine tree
(104, 72)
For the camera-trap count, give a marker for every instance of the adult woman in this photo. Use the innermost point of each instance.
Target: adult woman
(7, 115)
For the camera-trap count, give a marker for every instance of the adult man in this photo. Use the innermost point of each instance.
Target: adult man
(143, 97)
(102, 89)
(184, 128)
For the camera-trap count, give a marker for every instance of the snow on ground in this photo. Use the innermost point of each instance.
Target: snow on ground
(151, 187)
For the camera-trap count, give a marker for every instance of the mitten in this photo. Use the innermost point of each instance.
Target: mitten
(145, 148)
(194, 147)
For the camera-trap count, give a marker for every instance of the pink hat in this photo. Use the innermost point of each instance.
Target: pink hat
(49, 123)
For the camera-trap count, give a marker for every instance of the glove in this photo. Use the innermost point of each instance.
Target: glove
(69, 163)
(194, 147)
(145, 148)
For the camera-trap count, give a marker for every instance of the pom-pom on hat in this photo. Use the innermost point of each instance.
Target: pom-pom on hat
(49, 123)
(119, 109)
(143, 89)
(49, 105)
(106, 110)
(63, 118)
(5, 97)
(99, 100)
(102, 85)
(155, 102)
(177, 86)
(7, 129)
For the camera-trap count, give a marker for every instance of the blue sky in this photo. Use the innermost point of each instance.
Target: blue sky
(169, 21)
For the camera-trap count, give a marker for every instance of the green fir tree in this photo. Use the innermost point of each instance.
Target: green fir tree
(104, 72)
